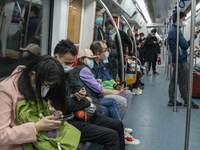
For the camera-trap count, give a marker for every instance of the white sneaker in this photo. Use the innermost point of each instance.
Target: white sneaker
(139, 89)
(128, 130)
(136, 92)
(130, 140)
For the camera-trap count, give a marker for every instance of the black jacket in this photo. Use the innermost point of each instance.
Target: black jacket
(76, 84)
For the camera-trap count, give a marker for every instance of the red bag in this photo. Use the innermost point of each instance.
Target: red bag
(159, 60)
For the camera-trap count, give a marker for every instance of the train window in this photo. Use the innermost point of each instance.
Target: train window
(74, 21)
(21, 23)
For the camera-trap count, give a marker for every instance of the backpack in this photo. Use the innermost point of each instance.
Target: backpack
(31, 111)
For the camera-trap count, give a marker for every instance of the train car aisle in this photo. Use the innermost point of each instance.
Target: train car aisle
(154, 123)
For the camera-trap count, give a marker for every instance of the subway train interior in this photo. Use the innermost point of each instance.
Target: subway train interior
(163, 111)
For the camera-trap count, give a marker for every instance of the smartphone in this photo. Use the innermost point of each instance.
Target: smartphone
(65, 118)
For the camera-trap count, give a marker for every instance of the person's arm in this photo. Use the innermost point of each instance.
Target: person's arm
(88, 78)
(183, 43)
(20, 134)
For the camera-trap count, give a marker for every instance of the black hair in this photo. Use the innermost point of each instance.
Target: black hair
(182, 14)
(65, 46)
(136, 35)
(153, 30)
(108, 22)
(96, 47)
(36, 10)
(36, 39)
(141, 34)
(111, 44)
(48, 69)
(98, 9)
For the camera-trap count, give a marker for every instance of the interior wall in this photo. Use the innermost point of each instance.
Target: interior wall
(60, 21)
(87, 25)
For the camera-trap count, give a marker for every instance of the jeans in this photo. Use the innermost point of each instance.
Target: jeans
(109, 108)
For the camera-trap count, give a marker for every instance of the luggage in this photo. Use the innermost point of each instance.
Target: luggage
(196, 85)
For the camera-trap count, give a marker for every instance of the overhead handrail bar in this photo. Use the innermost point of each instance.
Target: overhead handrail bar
(133, 43)
(118, 36)
(192, 38)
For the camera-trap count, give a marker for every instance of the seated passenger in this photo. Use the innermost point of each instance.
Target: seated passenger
(96, 127)
(67, 56)
(22, 98)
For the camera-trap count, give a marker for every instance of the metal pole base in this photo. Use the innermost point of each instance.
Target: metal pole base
(174, 110)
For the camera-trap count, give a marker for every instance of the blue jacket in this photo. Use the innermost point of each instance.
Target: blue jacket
(183, 45)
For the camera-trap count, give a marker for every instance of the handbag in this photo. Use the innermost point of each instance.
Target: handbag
(87, 113)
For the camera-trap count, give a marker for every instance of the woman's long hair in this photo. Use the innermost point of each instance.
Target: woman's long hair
(47, 69)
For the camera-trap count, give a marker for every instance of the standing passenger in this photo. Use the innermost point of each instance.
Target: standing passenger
(183, 67)
(151, 51)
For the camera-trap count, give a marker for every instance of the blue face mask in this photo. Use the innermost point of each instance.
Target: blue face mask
(111, 31)
(90, 63)
(106, 55)
(67, 68)
(99, 21)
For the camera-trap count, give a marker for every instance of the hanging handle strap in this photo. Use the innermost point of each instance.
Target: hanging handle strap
(182, 3)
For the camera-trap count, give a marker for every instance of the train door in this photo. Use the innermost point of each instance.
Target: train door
(22, 22)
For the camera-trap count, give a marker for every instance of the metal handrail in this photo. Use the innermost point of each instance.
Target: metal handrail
(118, 36)
(192, 37)
(177, 56)
(133, 43)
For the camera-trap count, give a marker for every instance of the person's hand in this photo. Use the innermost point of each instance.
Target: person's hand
(47, 123)
(89, 99)
(197, 31)
(81, 94)
(99, 81)
(115, 92)
(58, 114)
(154, 42)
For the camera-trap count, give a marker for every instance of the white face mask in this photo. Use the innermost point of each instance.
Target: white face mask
(44, 90)
(106, 55)
(90, 63)
(183, 24)
(67, 68)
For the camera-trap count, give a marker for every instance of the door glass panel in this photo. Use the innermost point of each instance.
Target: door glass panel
(74, 21)
(20, 24)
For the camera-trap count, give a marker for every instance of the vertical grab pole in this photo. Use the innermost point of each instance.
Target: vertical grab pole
(177, 55)
(118, 36)
(163, 45)
(192, 35)
(135, 45)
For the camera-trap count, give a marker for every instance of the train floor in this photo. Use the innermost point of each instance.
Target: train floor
(154, 123)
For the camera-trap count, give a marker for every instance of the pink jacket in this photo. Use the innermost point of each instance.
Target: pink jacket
(12, 136)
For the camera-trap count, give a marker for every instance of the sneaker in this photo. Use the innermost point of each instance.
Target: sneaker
(130, 140)
(171, 103)
(148, 73)
(195, 106)
(136, 92)
(139, 89)
(155, 72)
(128, 130)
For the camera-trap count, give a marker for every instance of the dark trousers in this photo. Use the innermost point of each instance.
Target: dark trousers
(102, 130)
(183, 74)
(153, 64)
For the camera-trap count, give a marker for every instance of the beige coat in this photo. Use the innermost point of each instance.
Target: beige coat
(12, 135)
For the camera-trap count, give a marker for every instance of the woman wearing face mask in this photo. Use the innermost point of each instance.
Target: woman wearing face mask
(98, 31)
(41, 80)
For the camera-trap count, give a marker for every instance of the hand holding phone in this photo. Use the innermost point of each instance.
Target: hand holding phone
(65, 118)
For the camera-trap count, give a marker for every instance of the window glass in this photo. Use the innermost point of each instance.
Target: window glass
(20, 32)
(74, 21)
